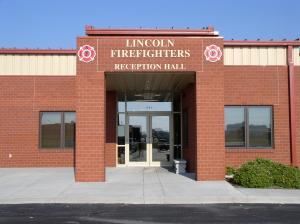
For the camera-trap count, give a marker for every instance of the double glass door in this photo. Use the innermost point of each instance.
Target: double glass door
(149, 139)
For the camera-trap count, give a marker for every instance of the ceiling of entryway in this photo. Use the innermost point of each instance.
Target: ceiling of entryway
(149, 82)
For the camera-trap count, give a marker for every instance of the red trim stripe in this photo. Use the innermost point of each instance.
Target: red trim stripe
(260, 43)
(90, 31)
(36, 51)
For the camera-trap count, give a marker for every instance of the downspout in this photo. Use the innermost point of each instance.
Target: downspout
(292, 105)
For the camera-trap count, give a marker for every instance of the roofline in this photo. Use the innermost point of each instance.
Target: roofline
(36, 51)
(73, 51)
(261, 43)
(208, 31)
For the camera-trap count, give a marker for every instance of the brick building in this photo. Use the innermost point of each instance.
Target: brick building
(144, 97)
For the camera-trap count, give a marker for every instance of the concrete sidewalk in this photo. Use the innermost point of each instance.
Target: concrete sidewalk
(127, 185)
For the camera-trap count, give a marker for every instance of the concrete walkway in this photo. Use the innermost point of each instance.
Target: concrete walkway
(127, 185)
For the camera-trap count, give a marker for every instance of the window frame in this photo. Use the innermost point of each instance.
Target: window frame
(247, 136)
(62, 131)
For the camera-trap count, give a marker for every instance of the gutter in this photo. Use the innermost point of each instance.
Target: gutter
(292, 105)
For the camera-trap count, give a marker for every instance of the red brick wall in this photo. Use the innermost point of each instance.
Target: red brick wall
(260, 85)
(188, 105)
(90, 132)
(297, 74)
(21, 99)
(110, 143)
(210, 118)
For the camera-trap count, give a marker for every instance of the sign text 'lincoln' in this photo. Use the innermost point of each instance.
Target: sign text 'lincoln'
(149, 48)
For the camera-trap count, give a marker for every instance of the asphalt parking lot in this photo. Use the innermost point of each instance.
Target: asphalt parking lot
(146, 214)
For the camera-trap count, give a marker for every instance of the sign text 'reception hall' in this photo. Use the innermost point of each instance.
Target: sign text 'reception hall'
(150, 48)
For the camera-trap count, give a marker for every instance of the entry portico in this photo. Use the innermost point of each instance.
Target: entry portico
(149, 116)
(157, 93)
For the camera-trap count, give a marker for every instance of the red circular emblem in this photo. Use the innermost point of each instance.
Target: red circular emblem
(213, 53)
(86, 53)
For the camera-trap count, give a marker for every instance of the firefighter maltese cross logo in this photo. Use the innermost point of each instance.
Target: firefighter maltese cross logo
(86, 53)
(213, 53)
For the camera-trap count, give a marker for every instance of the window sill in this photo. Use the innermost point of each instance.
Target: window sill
(250, 150)
(56, 149)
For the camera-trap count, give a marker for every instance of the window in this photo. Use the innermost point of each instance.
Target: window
(235, 126)
(121, 129)
(69, 129)
(248, 126)
(57, 129)
(51, 130)
(259, 126)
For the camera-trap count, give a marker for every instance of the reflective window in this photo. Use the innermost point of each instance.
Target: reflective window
(160, 138)
(51, 130)
(121, 129)
(57, 129)
(138, 138)
(146, 101)
(121, 119)
(248, 126)
(121, 155)
(69, 130)
(121, 106)
(234, 126)
(259, 123)
(149, 106)
(121, 135)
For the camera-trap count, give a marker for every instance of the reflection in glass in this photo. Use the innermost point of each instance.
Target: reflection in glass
(234, 127)
(50, 129)
(259, 121)
(137, 138)
(69, 122)
(161, 138)
(121, 129)
(121, 135)
(148, 106)
(121, 102)
(121, 119)
(121, 106)
(121, 155)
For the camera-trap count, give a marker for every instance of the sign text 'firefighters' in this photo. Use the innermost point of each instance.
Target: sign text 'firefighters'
(149, 48)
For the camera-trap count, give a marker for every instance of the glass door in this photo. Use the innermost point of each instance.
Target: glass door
(138, 140)
(160, 147)
(149, 140)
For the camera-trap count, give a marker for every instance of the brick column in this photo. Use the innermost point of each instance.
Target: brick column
(90, 127)
(210, 148)
(111, 116)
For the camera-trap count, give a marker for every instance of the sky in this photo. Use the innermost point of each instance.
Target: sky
(57, 23)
